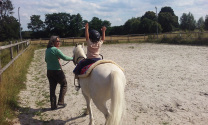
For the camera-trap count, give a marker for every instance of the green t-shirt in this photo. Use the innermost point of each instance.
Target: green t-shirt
(51, 58)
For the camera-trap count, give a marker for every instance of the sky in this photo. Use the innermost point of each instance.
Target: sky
(115, 11)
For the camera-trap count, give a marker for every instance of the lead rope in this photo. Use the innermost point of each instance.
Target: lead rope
(65, 63)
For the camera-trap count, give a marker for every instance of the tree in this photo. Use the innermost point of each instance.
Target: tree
(167, 10)
(116, 30)
(95, 23)
(58, 24)
(107, 24)
(37, 26)
(149, 26)
(187, 22)
(76, 25)
(167, 19)
(6, 8)
(149, 23)
(200, 23)
(131, 26)
(206, 23)
(9, 26)
(150, 15)
(135, 26)
(166, 22)
(145, 25)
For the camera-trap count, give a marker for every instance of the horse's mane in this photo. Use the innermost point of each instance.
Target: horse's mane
(80, 50)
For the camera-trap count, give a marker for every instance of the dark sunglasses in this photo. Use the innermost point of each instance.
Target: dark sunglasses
(58, 41)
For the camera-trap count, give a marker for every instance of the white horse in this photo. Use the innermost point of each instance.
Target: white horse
(106, 81)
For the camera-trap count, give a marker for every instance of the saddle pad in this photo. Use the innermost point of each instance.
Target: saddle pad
(84, 69)
(87, 69)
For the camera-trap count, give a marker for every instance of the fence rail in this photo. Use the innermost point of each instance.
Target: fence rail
(127, 38)
(23, 43)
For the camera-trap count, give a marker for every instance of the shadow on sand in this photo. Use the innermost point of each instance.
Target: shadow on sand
(28, 116)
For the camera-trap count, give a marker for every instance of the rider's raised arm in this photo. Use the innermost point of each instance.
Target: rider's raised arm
(103, 33)
(87, 31)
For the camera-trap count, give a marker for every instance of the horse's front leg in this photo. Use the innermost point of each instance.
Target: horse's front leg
(89, 109)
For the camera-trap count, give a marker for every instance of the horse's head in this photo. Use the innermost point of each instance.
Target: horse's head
(78, 53)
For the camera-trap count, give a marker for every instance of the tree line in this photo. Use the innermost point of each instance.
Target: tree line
(67, 25)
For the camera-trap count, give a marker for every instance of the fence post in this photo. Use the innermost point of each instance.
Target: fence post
(144, 36)
(73, 40)
(0, 67)
(22, 47)
(25, 44)
(17, 47)
(128, 37)
(40, 41)
(63, 42)
(11, 51)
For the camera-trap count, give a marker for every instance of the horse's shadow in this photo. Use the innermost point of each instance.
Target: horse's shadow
(28, 116)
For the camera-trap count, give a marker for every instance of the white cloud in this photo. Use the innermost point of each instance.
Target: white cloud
(46, 11)
(115, 11)
(183, 3)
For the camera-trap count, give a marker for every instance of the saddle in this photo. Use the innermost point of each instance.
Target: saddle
(87, 69)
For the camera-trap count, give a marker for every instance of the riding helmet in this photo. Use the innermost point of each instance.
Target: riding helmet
(94, 35)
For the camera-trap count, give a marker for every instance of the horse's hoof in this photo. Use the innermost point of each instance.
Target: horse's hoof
(91, 124)
(86, 113)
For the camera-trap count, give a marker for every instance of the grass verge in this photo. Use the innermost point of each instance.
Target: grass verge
(12, 81)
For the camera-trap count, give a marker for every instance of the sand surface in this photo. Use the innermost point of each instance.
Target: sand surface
(166, 85)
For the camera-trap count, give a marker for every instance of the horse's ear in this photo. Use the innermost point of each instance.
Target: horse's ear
(76, 45)
(83, 45)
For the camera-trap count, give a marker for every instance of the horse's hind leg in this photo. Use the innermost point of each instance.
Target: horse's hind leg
(101, 105)
(89, 109)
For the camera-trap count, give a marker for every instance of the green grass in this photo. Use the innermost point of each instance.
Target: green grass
(12, 81)
(184, 39)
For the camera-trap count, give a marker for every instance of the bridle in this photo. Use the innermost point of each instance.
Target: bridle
(76, 62)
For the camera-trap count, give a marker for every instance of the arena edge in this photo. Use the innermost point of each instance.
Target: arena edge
(12, 81)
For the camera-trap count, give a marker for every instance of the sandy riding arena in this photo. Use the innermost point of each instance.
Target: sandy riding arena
(166, 85)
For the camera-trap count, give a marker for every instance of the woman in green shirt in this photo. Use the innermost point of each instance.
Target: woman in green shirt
(55, 73)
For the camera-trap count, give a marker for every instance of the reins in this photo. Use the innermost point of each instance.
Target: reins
(75, 63)
(78, 59)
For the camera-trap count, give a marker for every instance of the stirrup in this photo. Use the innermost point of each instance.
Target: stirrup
(76, 87)
(76, 77)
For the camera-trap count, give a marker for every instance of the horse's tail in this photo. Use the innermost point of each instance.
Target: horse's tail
(117, 99)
